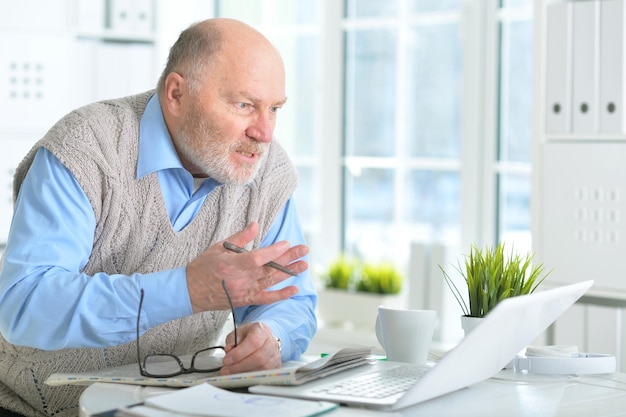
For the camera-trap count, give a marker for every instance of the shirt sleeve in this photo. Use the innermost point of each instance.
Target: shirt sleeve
(45, 301)
(292, 320)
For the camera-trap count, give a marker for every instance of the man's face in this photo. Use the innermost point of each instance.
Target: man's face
(228, 125)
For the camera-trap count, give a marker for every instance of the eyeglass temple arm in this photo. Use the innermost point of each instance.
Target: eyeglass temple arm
(232, 309)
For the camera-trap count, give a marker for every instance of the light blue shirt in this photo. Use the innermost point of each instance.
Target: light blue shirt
(47, 303)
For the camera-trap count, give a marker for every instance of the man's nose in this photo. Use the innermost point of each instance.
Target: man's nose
(262, 128)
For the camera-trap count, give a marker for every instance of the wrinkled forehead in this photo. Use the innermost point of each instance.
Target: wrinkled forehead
(258, 71)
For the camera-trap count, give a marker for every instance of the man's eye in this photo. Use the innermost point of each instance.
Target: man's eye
(274, 109)
(242, 105)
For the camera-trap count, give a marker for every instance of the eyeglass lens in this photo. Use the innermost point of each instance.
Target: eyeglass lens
(167, 365)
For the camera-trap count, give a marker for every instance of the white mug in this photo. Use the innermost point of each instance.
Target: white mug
(405, 335)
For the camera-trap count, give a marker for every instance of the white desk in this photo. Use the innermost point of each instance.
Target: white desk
(504, 395)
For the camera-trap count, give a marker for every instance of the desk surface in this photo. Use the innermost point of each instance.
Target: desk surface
(506, 394)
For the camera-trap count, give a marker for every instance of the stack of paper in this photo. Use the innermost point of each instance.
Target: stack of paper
(291, 373)
(207, 400)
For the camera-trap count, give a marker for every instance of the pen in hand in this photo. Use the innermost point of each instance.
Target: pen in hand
(271, 264)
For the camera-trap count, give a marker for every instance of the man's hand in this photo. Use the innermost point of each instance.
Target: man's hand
(257, 349)
(245, 275)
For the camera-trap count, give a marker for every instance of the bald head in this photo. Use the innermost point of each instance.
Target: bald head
(220, 93)
(210, 40)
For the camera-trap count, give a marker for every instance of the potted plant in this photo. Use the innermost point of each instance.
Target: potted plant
(341, 273)
(382, 278)
(353, 290)
(491, 276)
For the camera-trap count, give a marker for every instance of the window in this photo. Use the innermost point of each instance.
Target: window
(433, 134)
(403, 90)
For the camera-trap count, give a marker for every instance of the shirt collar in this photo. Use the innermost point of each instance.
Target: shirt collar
(156, 150)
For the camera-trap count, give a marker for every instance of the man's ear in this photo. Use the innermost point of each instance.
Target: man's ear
(175, 91)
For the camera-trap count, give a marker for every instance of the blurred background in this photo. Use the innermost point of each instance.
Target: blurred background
(409, 121)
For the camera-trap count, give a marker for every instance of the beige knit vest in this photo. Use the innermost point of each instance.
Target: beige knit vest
(99, 145)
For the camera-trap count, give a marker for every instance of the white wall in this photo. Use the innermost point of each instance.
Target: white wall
(71, 53)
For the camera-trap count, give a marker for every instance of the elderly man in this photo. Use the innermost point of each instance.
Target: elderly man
(132, 199)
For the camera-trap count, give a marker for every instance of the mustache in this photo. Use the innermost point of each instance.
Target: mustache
(251, 146)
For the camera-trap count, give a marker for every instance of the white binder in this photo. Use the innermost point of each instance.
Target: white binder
(611, 67)
(558, 68)
(131, 16)
(143, 16)
(584, 77)
(120, 16)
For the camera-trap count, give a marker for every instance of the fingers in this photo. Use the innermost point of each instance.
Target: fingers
(291, 255)
(257, 349)
(246, 235)
(269, 297)
(256, 275)
(262, 256)
(246, 275)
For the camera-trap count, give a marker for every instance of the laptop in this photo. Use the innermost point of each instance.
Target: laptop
(505, 332)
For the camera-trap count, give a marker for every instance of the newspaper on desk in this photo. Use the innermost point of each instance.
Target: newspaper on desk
(207, 400)
(291, 373)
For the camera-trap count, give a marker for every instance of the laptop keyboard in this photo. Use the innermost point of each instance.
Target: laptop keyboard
(380, 384)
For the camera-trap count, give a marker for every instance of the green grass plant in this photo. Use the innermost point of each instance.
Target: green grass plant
(341, 273)
(491, 276)
(381, 278)
(352, 274)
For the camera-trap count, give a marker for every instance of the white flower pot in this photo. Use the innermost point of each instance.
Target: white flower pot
(469, 323)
